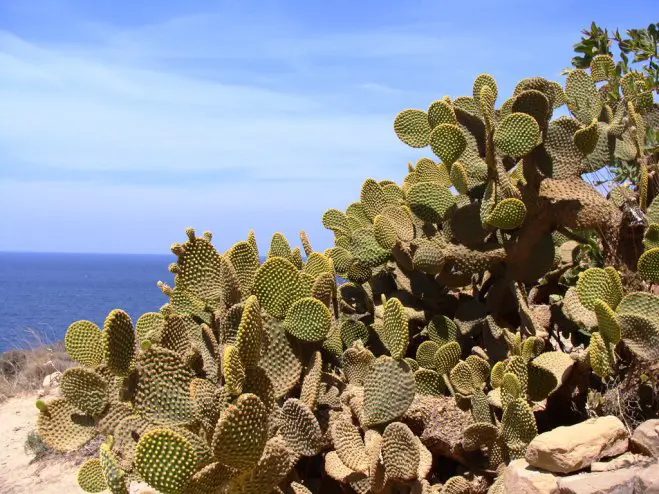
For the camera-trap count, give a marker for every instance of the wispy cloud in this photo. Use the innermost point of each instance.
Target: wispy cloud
(233, 115)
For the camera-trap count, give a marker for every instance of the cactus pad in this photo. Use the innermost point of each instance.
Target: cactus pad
(84, 343)
(388, 391)
(308, 319)
(165, 460)
(241, 433)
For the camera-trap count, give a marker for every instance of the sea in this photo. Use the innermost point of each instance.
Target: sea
(42, 294)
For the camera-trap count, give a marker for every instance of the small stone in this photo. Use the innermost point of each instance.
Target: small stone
(572, 448)
(622, 461)
(640, 478)
(521, 478)
(645, 439)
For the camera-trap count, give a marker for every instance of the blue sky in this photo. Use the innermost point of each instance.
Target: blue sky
(122, 123)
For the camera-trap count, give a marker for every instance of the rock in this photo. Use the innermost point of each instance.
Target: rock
(572, 448)
(622, 461)
(641, 478)
(645, 439)
(521, 478)
(442, 423)
(51, 381)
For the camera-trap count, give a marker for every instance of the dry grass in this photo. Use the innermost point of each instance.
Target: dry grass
(24, 370)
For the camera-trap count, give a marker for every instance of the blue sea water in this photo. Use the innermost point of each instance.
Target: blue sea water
(45, 293)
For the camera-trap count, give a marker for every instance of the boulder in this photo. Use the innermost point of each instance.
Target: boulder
(640, 478)
(645, 439)
(520, 477)
(572, 448)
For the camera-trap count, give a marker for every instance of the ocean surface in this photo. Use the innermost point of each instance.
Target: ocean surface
(43, 294)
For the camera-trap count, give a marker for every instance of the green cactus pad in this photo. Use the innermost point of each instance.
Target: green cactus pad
(583, 100)
(400, 452)
(389, 389)
(442, 330)
(372, 199)
(440, 112)
(448, 142)
(384, 232)
(279, 247)
(534, 103)
(208, 401)
(335, 220)
(429, 382)
(430, 201)
(62, 426)
(412, 127)
(429, 257)
(308, 319)
(602, 68)
(149, 327)
(651, 236)
(90, 476)
(507, 214)
(300, 428)
(366, 249)
(547, 373)
(356, 363)
(394, 332)
(250, 333)
(85, 389)
(276, 284)
(353, 330)
(163, 389)
(119, 342)
(518, 425)
(241, 433)
(233, 370)
(641, 334)
(447, 357)
(585, 139)
(245, 261)
(607, 322)
(84, 343)
(341, 258)
(214, 478)
(459, 177)
(273, 466)
(165, 460)
(425, 354)
(517, 134)
(648, 265)
(601, 356)
(479, 434)
(115, 477)
(280, 362)
(258, 383)
(593, 284)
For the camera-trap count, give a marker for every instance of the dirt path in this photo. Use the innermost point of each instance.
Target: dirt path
(18, 474)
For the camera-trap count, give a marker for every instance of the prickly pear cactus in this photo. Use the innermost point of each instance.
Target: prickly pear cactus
(442, 301)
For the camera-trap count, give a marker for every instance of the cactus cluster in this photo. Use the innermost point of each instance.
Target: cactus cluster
(440, 291)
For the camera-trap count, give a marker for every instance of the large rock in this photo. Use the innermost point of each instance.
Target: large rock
(622, 461)
(640, 478)
(645, 439)
(520, 478)
(572, 448)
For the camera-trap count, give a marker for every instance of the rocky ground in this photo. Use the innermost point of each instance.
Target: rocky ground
(598, 456)
(26, 466)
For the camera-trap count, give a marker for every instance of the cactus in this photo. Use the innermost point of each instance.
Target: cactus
(256, 373)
